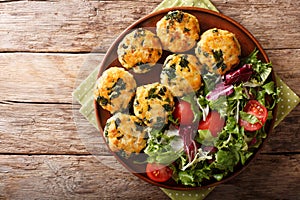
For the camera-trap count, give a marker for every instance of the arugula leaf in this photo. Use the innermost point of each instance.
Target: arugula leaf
(218, 177)
(269, 87)
(245, 156)
(272, 91)
(193, 177)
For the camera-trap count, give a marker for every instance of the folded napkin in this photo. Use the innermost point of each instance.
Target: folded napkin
(84, 95)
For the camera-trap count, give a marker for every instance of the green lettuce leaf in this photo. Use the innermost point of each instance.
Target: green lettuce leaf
(262, 70)
(162, 147)
(249, 118)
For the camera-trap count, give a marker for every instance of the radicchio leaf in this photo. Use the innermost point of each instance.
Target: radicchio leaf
(188, 134)
(220, 90)
(240, 75)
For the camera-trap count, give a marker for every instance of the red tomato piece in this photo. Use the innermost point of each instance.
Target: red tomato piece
(158, 172)
(183, 112)
(253, 107)
(214, 123)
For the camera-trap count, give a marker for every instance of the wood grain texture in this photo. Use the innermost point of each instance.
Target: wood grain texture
(81, 26)
(69, 177)
(40, 129)
(43, 77)
(66, 26)
(84, 177)
(49, 151)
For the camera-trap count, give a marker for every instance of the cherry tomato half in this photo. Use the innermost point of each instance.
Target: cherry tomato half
(214, 123)
(253, 107)
(183, 112)
(158, 172)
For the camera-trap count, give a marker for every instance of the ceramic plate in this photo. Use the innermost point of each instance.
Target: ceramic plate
(207, 20)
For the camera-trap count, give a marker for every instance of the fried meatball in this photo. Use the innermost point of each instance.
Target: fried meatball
(178, 31)
(218, 50)
(153, 104)
(139, 50)
(181, 74)
(125, 133)
(115, 89)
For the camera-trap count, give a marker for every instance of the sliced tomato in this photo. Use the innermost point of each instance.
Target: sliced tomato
(183, 112)
(213, 122)
(255, 108)
(158, 172)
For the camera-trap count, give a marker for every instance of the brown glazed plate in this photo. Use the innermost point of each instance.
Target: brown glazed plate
(207, 20)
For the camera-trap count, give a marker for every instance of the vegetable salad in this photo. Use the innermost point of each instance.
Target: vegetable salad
(217, 129)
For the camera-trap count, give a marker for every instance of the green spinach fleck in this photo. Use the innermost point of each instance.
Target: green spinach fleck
(175, 15)
(102, 100)
(184, 63)
(186, 30)
(116, 88)
(218, 55)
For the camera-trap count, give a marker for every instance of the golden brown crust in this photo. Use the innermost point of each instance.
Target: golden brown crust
(181, 74)
(218, 50)
(153, 104)
(139, 50)
(115, 89)
(125, 133)
(178, 31)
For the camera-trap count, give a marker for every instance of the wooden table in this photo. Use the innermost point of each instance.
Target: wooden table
(45, 52)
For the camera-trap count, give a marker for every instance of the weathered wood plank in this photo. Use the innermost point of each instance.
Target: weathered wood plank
(69, 177)
(284, 137)
(42, 129)
(78, 177)
(43, 77)
(61, 129)
(66, 26)
(34, 77)
(47, 129)
(81, 26)
(272, 30)
(45, 144)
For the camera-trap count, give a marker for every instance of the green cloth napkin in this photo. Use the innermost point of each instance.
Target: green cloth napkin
(197, 3)
(84, 95)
